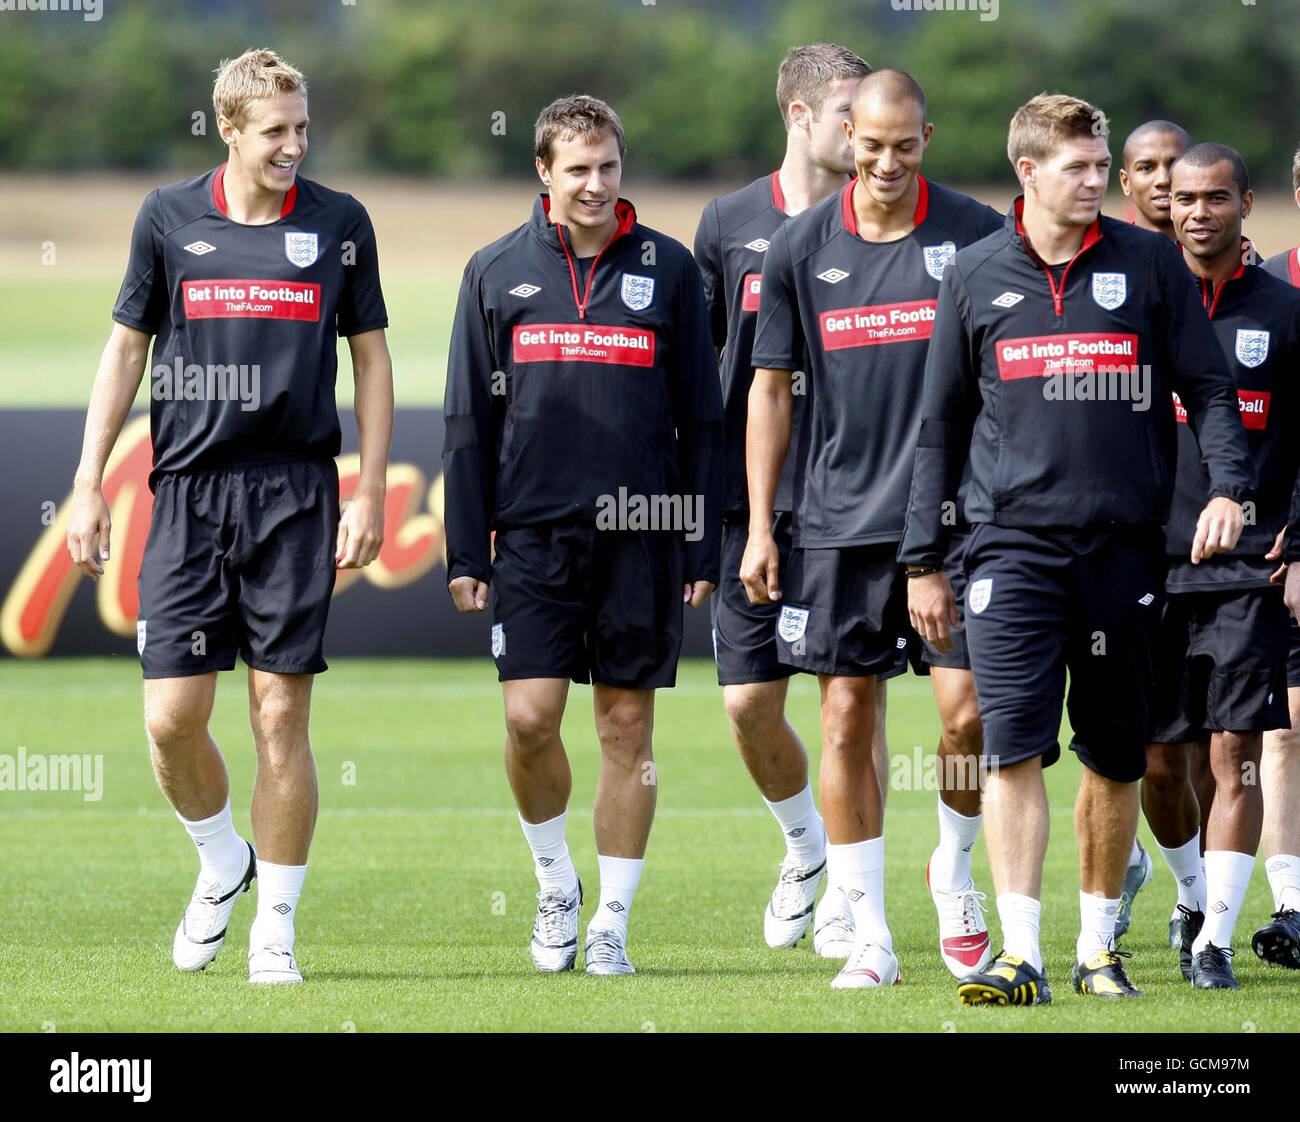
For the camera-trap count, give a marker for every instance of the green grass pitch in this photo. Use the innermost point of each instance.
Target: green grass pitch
(419, 901)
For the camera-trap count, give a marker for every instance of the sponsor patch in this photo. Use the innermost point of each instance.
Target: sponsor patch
(1251, 347)
(498, 640)
(1109, 290)
(251, 299)
(637, 292)
(300, 249)
(567, 342)
(937, 258)
(1037, 356)
(1252, 404)
(877, 323)
(792, 624)
(979, 594)
(751, 288)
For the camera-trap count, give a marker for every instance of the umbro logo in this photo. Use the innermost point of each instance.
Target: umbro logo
(797, 832)
(832, 276)
(615, 906)
(1147, 600)
(525, 290)
(283, 909)
(1219, 907)
(758, 245)
(199, 248)
(546, 862)
(1275, 866)
(1008, 300)
(855, 894)
(1187, 882)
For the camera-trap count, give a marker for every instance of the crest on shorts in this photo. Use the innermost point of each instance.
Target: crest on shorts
(300, 249)
(792, 624)
(141, 626)
(1252, 347)
(937, 258)
(978, 595)
(498, 640)
(637, 292)
(1109, 290)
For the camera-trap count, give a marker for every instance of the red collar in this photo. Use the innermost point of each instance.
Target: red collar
(625, 211)
(778, 196)
(219, 194)
(1212, 302)
(1090, 236)
(850, 215)
(1293, 266)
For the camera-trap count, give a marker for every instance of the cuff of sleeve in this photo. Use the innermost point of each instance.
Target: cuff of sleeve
(1236, 492)
(457, 571)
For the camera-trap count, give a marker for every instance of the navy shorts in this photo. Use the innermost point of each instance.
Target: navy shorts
(744, 634)
(844, 610)
(571, 601)
(1038, 604)
(1220, 665)
(239, 560)
(914, 651)
(1293, 655)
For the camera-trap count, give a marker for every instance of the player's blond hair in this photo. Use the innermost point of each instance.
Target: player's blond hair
(1044, 123)
(577, 115)
(257, 73)
(807, 73)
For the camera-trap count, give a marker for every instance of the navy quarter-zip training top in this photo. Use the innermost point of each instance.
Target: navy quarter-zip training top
(1016, 361)
(566, 384)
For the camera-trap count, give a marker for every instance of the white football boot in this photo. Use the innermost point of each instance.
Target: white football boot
(963, 935)
(606, 953)
(555, 930)
(273, 963)
(833, 926)
(868, 966)
(202, 928)
(790, 910)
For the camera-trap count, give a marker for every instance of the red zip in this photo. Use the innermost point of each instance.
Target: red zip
(1058, 295)
(573, 276)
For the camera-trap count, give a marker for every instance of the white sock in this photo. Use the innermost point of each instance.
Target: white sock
(1185, 863)
(619, 877)
(805, 835)
(222, 853)
(1135, 854)
(1021, 917)
(278, 889)
(1284, 879)
(1096, 926)
(859, 870)
(950, 863)
(1227, 876)
(551, 860)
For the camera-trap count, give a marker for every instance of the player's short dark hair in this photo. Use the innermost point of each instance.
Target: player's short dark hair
(576, 116)
(1208, 154)
(807, 73)
(1295, 171)
(1046, 121)
(1156, 128)
(895, 85)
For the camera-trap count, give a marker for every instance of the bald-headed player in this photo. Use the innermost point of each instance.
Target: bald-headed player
(1149, 153)
(848, 295)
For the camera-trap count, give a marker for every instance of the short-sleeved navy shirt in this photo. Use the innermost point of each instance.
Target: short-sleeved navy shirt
(246, 320)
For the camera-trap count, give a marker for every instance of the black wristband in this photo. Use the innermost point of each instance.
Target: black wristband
(922, 572)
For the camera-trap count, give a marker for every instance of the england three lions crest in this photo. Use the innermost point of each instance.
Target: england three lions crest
(1109, 290)
(937, 258)
(1252, 347)
(300, 249)
(637, 291)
